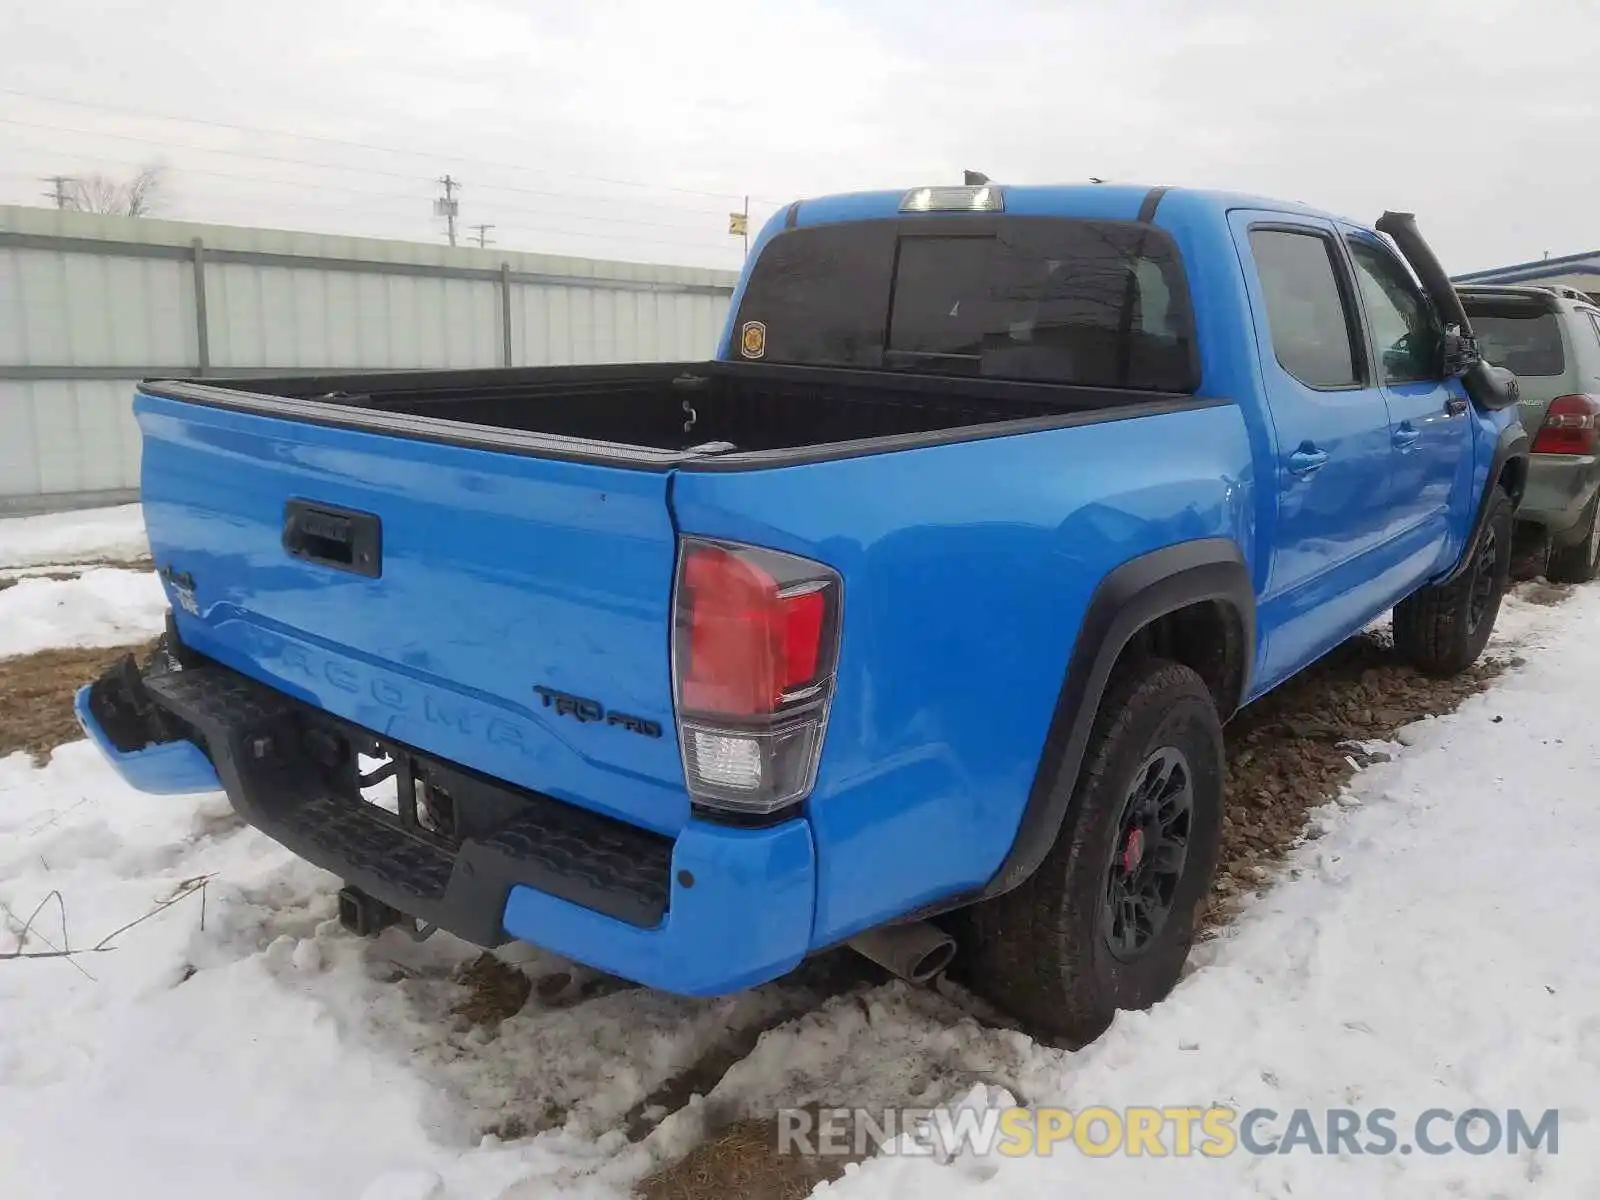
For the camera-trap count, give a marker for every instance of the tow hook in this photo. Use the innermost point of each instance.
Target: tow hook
(363, 915)
(367, 916)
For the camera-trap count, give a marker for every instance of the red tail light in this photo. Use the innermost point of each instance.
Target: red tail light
(749, 640)
(1571, 426)
(755, 636)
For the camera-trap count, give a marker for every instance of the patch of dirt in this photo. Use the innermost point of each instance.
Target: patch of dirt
(743, 1162)
(11, 576)
(36, 693)
(814, 980)
(1543, 592)
(1291, 751)
(13, 580)
(142, 562)
(495, 990)
(515, 1127)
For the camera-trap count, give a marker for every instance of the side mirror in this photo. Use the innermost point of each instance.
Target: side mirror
(1490, 387)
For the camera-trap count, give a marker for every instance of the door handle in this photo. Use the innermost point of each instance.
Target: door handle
(341, 538)
(1406, 437)
(1307, 459)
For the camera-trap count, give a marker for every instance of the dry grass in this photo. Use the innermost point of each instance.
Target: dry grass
(495, 990)
(36, 693)
(742, 1163)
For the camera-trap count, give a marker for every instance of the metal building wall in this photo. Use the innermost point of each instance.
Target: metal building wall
(89, 305)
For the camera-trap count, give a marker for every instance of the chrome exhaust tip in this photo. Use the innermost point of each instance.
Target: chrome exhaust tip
(916, 952)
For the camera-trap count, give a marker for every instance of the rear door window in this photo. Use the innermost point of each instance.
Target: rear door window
(1524, 336)
(1095, 303)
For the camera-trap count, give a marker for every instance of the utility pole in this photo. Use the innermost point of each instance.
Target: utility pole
(448, 206)
(58, 193)
(483, 234)
(739, 225)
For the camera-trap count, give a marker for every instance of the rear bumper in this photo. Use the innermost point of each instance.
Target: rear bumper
(1559, 490)
(713, 911)
(166, 769)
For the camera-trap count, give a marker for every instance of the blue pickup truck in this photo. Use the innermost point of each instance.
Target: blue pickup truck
(909, 622)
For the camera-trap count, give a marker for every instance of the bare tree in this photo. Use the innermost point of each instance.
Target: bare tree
(137, 197)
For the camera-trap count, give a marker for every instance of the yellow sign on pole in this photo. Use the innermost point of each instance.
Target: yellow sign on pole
(738, 224)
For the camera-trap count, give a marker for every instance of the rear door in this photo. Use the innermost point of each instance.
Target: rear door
(1333, 465)
(503, 611)
(1429, 430)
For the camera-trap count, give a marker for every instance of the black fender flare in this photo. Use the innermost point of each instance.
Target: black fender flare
(1127, 600)
(1511, 446)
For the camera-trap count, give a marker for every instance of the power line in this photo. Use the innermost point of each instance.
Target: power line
(393, 197)
(483, 235)
(398, 225)
(330, 141)
(394, 224)
(326, 166)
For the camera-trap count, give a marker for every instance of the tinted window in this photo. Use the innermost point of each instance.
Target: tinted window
(1521, 335)
(1594, 321)
(1305, 308)
(1402, 322)
(1097, 303)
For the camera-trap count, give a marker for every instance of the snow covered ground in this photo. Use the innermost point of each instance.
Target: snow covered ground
(73, 537)
(1432, 948)
(53, 595)
(104, 606)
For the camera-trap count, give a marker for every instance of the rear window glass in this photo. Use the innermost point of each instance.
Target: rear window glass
(1524, 338)
(1096, 303)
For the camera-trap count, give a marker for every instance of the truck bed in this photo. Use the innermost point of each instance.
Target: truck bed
(666, 413)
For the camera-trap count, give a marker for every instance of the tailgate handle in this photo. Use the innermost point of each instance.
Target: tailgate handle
(341, 538)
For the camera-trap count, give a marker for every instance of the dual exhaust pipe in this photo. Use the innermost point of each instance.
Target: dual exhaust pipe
(915, 952)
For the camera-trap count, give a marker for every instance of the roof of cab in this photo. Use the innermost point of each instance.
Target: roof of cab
(1103, 201)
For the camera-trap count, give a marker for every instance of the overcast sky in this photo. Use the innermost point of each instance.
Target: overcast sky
(1480, 116)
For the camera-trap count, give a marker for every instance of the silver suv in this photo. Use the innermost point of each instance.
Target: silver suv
(1550, 338)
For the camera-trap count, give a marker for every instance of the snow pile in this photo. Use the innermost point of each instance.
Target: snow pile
(102, 607)
(239, 1043)
(73, 537)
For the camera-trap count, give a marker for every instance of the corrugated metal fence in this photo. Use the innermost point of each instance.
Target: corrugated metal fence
(89, 305)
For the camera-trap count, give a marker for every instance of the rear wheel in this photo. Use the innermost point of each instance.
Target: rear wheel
(1107, 920)
(1578, 562)
(1442, 629)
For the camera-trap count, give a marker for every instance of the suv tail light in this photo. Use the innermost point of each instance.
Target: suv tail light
(1571, 426)
(754, 643)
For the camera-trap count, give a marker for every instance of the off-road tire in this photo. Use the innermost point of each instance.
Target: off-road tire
(1442, 629)
(1041, 952)
(1578, 561)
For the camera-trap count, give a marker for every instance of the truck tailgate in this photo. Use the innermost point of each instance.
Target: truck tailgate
(500, 610)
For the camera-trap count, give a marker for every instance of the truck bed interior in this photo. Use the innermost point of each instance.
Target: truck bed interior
(733, 407)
